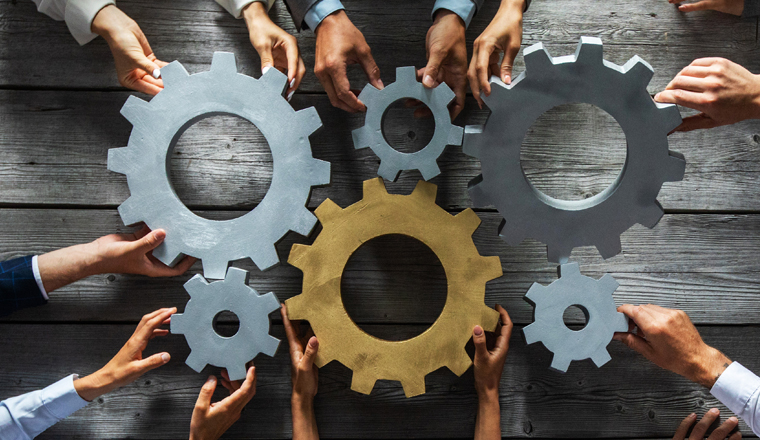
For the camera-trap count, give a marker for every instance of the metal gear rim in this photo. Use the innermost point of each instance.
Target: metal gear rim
(392, 161)
(197, 323)
(573, 289)
(547, 82)
(157, 126)
(417, 216)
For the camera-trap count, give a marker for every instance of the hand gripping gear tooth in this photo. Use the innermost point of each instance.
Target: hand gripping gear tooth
(546, 83)
(417, 216)
(158, 125)
(594, 297)
(197, 323)
(392, 161)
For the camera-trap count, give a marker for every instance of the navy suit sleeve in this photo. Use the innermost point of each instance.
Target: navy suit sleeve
(18, 288)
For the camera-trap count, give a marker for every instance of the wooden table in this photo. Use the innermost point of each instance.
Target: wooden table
(59, 114)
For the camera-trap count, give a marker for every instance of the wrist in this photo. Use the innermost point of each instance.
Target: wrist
(254, 11)
(103, 22)
(709, 366)
(333, 19)
(756, 100)
(447, 15)
(487, 395)
(93, 386)
(302, 403)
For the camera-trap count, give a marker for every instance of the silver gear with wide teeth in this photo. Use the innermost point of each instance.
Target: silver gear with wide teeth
(158, 125)
(594, 297)
(392, 161)
(197, 323)
(546, 83)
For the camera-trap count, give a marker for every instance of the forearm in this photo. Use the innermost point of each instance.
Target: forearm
(512, 6)
(708, 366)
(488, 419)
(64, 266)
(254, 12)
(95, 385)
(304, 421)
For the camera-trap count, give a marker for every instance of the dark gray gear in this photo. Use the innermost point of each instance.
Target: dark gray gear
(546, 83)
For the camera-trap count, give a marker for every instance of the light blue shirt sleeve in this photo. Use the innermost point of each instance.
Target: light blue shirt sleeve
(24, 417)
(465, 9)
(320, 10)
(739, 389)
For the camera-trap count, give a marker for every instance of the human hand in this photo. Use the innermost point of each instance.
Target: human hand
(488, 365)
(136, 65)
(669, 339)
(725, 430)
(725, 93)
(734, 7)
(447, 58)
(305, 377)
(276, 47)
(128, 364)
(503, 35)
(211, 420)
(340, 44)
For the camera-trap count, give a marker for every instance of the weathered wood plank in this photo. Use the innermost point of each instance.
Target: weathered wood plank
(30, 42)
(628, 397)
(53, 150)
(704, 264)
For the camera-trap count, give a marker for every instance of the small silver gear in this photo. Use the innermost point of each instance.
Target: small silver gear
(594, 297)
(546, 83)
(158, 125)
(392, 161)
(232, 294)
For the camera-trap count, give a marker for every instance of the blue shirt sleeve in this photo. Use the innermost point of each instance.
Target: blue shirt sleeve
(18, 286)
(465, 9)
(320, 10)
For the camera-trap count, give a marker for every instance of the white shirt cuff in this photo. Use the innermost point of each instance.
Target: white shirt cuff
(235, 7)
(320, 10)
(465, 9)
(735, 387)
(62, 399)
(37, 277)
(79, 15)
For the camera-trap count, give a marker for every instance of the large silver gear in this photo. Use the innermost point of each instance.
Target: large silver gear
(546, 83)
(392, 161)
(197, 323)
(594, 297)
(158, 125)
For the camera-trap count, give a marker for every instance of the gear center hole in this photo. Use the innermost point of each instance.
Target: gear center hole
(575, 317)
(573, 152)
(408, 125)
(394, 279)
(226, 324)
(219, 161)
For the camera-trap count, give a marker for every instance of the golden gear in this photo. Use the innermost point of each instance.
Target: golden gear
(416, 216)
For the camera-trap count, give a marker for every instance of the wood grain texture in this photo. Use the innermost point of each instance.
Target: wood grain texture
(628, 397)
(686, 261)
(53, 150)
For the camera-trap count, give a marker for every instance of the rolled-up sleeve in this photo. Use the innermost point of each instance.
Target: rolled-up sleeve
(739, 389)
(235, 7)
(78, 15)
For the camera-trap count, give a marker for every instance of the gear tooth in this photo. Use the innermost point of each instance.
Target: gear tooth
(266, 256)
(169, 253)
(195, 362)
(327, 211)
(425, 191)
(269, 302)
(651, 215)
(470, 142)
(368, 94)
(468, 220)
(223, 62)
(569, 269)
(429, 170)
(362, 382)
(477, 192)
(536, 293)
(298, 252)
(236, 372)
(308, 119)
(589, 51)
(214, 269)
(321, 172)
(236, 275)
(363, 137)
(135, 110)
(178, 324)
(537, 59)
(406, 75)
(601, 356)
(303, 222)
(609, 247)
(560, 363)
(531, 334)
(374, 188)
(413, 386)
(130, 211)
(297, 307)
(388, 171)
(557, 254)
(638, 71)
(676, 167)
(120, 160)
(195, 285)
(442, 95)
(490, 318)
(275, 80)
(492, 268)
(172, 74)
(620, 323)
(269, 346)
(456, 134)
(608, 284)
(669, 116)
(459, 365)
(512, 236)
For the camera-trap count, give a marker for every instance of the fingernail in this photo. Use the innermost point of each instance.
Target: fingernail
(657, 96)
(478, 330)
(714, 411)
(211, 379)
(313, 342)
(733, 420)
(507, 79)
(290, 95)
(381, 83)
(692, 415)
(428, 81)
(265, 69)
(156, 73)
(292, 82)
(165, 357)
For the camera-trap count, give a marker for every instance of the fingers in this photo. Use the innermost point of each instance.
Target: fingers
(143, 86)
(508, 63)
(433, 68)
(482, 68)
(685, 98)
(701, 427)
(342, 88)
(697, 122)
(151, 322)
(479, 338)
(639, 314)
(683, 427)
(150, 241)
(310, 354)
(735, 436)
(636, 343)
(687, 83)
(291, 52)
(295, 344)
(460, 91)
(152, 362)
(724, 429)
(697, 6)
(299, 76)
(237, 400)
(502, 342)
(204, 397)
(370, 68)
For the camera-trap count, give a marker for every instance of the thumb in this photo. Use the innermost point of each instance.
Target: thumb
(151, 240)
(479, 338)
(635, 343)
(697, 122)
(697, 6)
(507, 63)
(267, 60)
(152, 362)
(311, 352)
(207, 390)
(431, 70)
